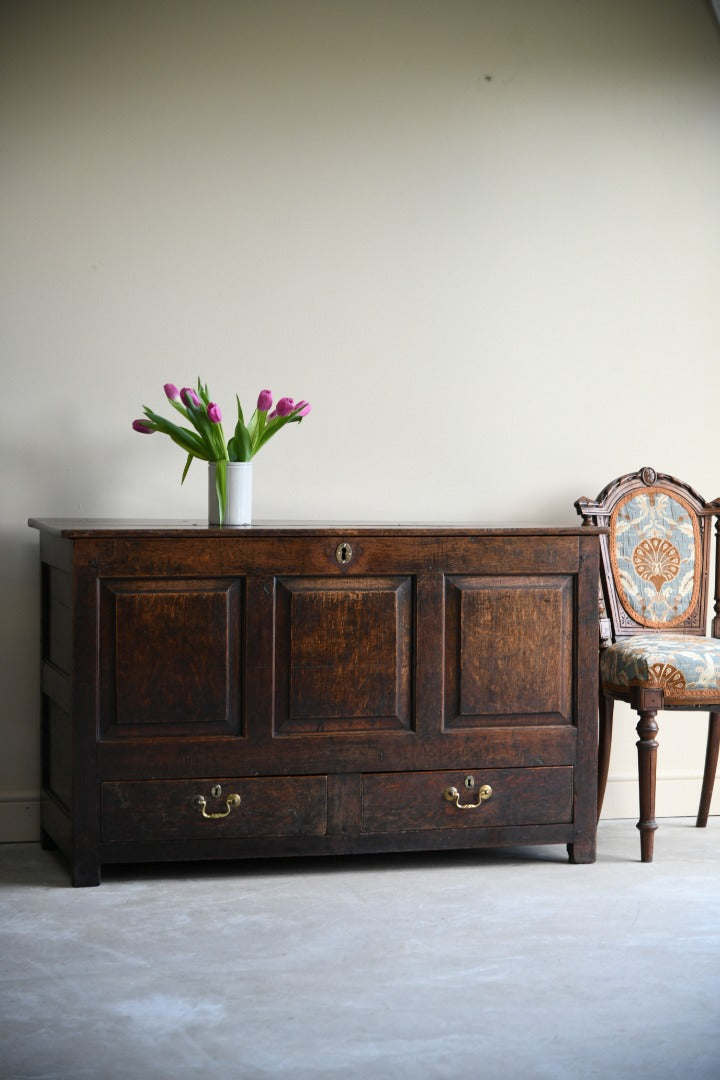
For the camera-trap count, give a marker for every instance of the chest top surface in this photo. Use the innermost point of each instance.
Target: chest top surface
(98, 528)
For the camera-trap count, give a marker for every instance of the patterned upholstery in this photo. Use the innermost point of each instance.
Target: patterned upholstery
(655, 555)
(687, 668)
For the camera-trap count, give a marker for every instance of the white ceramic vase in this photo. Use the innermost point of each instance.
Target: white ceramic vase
(238, 510)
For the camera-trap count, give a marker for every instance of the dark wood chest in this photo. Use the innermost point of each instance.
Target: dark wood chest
(294, 689)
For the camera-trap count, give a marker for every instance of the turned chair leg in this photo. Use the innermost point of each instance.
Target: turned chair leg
(607, 705)
(711, 764)
(647, 746)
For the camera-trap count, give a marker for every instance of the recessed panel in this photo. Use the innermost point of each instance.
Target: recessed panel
(509, 650)
(57, 755)
(57, 621)
(343, 654)
(171, 656)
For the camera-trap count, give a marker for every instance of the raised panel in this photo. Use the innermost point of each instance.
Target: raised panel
(509, 650)
(344, 651)
(170, 658)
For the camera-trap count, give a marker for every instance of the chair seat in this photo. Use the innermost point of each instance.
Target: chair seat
(686, 668)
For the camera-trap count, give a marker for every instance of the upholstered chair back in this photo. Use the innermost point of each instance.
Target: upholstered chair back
(656, 556)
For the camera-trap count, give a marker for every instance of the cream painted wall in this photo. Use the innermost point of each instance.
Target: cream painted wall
(481, 236)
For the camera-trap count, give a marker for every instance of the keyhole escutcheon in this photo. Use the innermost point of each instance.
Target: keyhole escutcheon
(343, 553)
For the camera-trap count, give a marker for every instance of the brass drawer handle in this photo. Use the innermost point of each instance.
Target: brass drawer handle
(451, 794)
(201, 802)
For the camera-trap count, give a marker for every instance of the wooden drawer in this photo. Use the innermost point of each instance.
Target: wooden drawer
(399, 802)
(172, 809)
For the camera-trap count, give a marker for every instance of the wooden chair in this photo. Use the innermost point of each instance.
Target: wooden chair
(654, 652)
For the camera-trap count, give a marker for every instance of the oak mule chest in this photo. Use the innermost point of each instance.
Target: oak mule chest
(296, 689)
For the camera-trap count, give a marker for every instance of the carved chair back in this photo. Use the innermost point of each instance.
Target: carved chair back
(655, 564)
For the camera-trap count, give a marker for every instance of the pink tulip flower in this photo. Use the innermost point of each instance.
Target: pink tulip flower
(171, 391)
(144, 427)
(285, 406)
(214, 413)
(303, 408)
(189, 397)
(264, 401)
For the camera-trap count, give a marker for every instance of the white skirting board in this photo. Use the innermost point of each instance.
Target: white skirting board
(676, 795)
(19, 817)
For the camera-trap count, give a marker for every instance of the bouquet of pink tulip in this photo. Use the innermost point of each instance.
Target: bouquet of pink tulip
(207, 440)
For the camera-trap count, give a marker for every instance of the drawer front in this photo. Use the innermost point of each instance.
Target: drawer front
(406, 802)
(224, 807)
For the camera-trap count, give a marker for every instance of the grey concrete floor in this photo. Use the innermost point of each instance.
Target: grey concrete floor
(498, 964)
